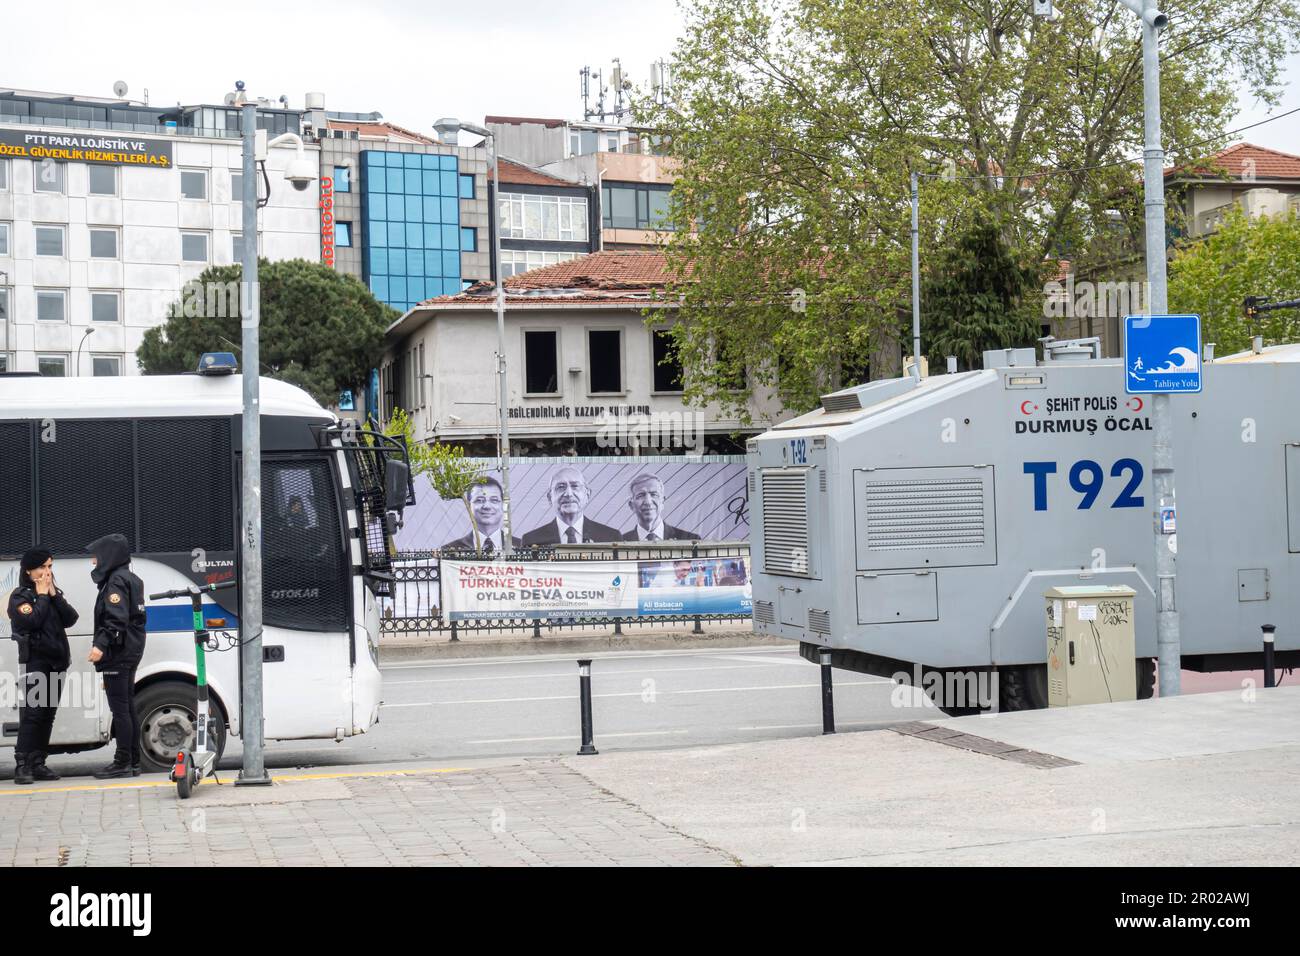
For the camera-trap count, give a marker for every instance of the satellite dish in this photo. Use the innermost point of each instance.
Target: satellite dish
(230, 99)
(119, 89)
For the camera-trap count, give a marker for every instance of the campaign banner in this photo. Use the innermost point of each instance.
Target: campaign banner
(580, 500)
(544, 590)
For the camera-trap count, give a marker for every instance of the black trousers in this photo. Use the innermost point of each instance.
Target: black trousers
(119, 686)
(37, 705)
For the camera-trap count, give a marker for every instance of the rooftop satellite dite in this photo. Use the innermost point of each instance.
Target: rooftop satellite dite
(119, 89)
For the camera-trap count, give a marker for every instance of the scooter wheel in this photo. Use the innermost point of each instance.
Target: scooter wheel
(183, 787)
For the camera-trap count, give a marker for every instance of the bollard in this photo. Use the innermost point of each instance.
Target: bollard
(584, 691)
(453, 632)
(828, 693)
(1270, 677)
(537, 628)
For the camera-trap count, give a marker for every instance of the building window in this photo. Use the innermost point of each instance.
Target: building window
(541, 362)
(47, 176)
(105, 306)
(667, 363)
(4, 306)
(49, 240)
(194, 184)
(515, 261)
(103, 180)
(4, 174)
(466, 186)
(468, 239)
(605, 360)
(194, 247)
(583, 142)
(52, 305)
(103, 243)
(54, 366)
(342, 179)
(342, 233)
(105, 365)
(635, 207)
(4, 239)
(611, 143)
(561, 218)
(236, 187)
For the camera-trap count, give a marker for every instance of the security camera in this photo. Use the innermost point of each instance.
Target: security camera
(1043, 8)
(301, 172)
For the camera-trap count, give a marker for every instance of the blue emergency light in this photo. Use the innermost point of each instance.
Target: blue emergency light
(218, 363)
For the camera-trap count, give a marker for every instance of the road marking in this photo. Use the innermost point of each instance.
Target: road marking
(636, 693)
(857, 723)
(276, 778)
(529, 740)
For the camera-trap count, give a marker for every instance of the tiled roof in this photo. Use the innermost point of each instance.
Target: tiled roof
(382, 130)
(516, 120)
(521, 175)
(1236, 160)
(599, 277)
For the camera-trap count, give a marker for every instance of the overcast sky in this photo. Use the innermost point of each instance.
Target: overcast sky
(413, 60)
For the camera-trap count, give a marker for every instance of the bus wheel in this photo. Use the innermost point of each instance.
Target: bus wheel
(1146, 678)
(1022, 688)
(166, 714)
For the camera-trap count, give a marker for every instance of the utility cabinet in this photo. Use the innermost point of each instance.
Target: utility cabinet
(1090, 645)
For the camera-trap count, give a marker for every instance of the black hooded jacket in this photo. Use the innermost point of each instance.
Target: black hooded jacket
(119, 609)
(41, 621)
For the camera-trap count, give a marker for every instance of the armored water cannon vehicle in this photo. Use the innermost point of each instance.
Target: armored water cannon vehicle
(913, 526)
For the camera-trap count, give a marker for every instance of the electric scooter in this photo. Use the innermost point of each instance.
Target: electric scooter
(193, 766)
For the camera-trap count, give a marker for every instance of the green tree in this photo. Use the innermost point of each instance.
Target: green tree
(1211, 278)
(797, 122)
(978, 297)
(450, 473)
(320, 329)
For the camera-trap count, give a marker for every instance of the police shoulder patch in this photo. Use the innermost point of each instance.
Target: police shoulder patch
(24, 609)
(115, 598)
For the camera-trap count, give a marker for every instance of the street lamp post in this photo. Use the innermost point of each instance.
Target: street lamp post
(299, 173)
(447, 129)
(1168, 642)
(84, 335)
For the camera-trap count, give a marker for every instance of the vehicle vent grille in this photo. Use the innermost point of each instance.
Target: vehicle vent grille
(925, 513)
(821, 472)
(785, 522)
(842, 402)
(751, 483)
(764, 613)
(819, 621)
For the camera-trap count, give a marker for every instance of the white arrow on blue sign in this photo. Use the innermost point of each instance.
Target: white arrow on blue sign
(1162, 354)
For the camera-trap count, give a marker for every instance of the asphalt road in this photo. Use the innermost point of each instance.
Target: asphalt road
(655, 700)
(529, 707)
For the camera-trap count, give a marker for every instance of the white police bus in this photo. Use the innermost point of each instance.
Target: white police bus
(157, 459)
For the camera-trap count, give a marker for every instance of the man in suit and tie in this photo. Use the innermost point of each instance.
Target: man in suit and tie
(568, 496)
(646, 502)
(485, 499)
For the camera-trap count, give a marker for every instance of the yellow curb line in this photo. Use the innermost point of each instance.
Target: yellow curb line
(168, 783)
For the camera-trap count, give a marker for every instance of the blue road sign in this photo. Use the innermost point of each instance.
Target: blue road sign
(1162, 354)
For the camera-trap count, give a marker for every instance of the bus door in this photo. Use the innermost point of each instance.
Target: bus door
(306, 668)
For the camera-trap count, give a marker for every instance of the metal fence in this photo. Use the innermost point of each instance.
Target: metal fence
(414, 607)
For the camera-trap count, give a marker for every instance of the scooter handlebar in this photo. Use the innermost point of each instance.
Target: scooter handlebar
(186, 592)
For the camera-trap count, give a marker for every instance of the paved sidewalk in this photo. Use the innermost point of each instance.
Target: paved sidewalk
(1200, 780)
(496, 815)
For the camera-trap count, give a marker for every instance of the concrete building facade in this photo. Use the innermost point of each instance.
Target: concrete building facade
(108, 207)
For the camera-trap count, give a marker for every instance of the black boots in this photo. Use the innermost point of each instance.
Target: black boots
(22, 769)
(37, 769)
(118, 768)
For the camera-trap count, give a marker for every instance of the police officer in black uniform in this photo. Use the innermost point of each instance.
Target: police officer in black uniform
(118, 646)
(40, 617)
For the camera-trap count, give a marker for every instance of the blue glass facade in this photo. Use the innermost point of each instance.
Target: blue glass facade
(410, 221)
